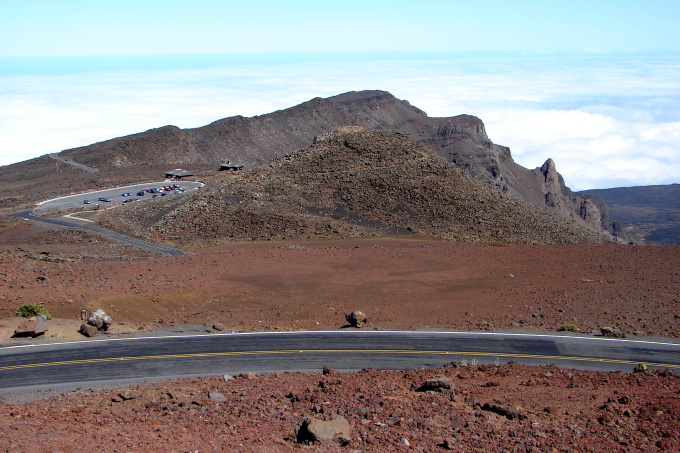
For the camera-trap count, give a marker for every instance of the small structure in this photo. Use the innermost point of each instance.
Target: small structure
(230, 166)
(177, 174)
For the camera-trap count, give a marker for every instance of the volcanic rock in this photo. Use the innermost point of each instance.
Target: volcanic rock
(356, 319)
(612, 332)
(31, 327)
(100, 320)
(217, 396)
(335, 432)
(88, 330)
(437, 384)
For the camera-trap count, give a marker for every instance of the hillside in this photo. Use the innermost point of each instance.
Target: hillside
(253, 142)
(350, 183)
(651, 213)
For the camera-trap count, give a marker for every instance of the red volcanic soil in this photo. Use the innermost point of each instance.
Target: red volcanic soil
(489, 408)
(399, 284)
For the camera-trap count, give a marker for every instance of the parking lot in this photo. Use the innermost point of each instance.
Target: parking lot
(119, 195)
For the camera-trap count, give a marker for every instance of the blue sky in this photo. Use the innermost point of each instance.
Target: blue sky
(593, 84)
(124, 27)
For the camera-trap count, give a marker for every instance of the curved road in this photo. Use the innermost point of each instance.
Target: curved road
(114, 194)
(71, 222)
(77, 364)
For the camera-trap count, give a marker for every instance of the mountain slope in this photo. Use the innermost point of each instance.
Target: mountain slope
(651, 213)
(351, 183)
(254, 141)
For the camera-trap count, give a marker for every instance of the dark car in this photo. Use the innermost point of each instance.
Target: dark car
(129, 200)
(126, 194)
(86, 201)
(140, 193)
(104, 199)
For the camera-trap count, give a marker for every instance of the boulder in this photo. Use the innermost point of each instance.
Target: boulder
(217, 397)
(356, 319)
(100, 320)
(510, 413)
(31, 327)
(333, 432)
(640, 368)
(437, 384)
(88, 330)
(127, 395)
(612, 332)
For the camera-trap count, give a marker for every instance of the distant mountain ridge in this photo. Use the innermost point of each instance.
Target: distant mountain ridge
(255, 141)
(649, 213)
(349, 183)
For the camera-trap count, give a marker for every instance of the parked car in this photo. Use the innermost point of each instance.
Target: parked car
(126, 194)
(104, 199)
(140, 193)
(86, 201)
(129, 200)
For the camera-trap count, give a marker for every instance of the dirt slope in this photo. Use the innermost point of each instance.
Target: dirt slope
(350, 183)
(253, 142)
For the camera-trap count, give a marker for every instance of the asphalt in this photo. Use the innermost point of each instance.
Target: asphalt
(103, 362)
(116, 197)
(71, 222)
(114, 194)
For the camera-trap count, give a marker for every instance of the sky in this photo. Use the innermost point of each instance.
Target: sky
(595, 84)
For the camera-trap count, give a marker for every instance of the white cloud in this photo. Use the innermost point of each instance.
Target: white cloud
(603, 121)
(591, 151)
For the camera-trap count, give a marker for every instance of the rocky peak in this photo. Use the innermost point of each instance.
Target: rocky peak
(354, 182)
(549, 171)
(461, 140)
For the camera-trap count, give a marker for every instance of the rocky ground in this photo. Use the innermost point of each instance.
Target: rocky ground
(461, 407)
(350, 183)
(400, 284)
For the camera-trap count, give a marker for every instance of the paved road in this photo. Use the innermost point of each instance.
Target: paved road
(86, 363)
(71, 222)
(115, 195)
(76, 201)
(55, 156)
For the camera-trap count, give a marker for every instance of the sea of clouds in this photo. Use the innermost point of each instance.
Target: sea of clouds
(607, 120)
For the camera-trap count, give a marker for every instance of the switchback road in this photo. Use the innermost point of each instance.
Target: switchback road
(71, 222)
(55, 156)
(113, 361)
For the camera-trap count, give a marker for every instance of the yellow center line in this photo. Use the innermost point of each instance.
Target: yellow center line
(337, 351)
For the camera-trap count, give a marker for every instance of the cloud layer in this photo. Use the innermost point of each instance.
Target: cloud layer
(606, 120)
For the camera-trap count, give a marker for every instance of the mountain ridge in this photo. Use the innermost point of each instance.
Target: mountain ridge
(350, 183)
(651, 214)
(254, 141)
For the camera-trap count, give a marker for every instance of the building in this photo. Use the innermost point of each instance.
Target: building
(178, 173)
(230, 166)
